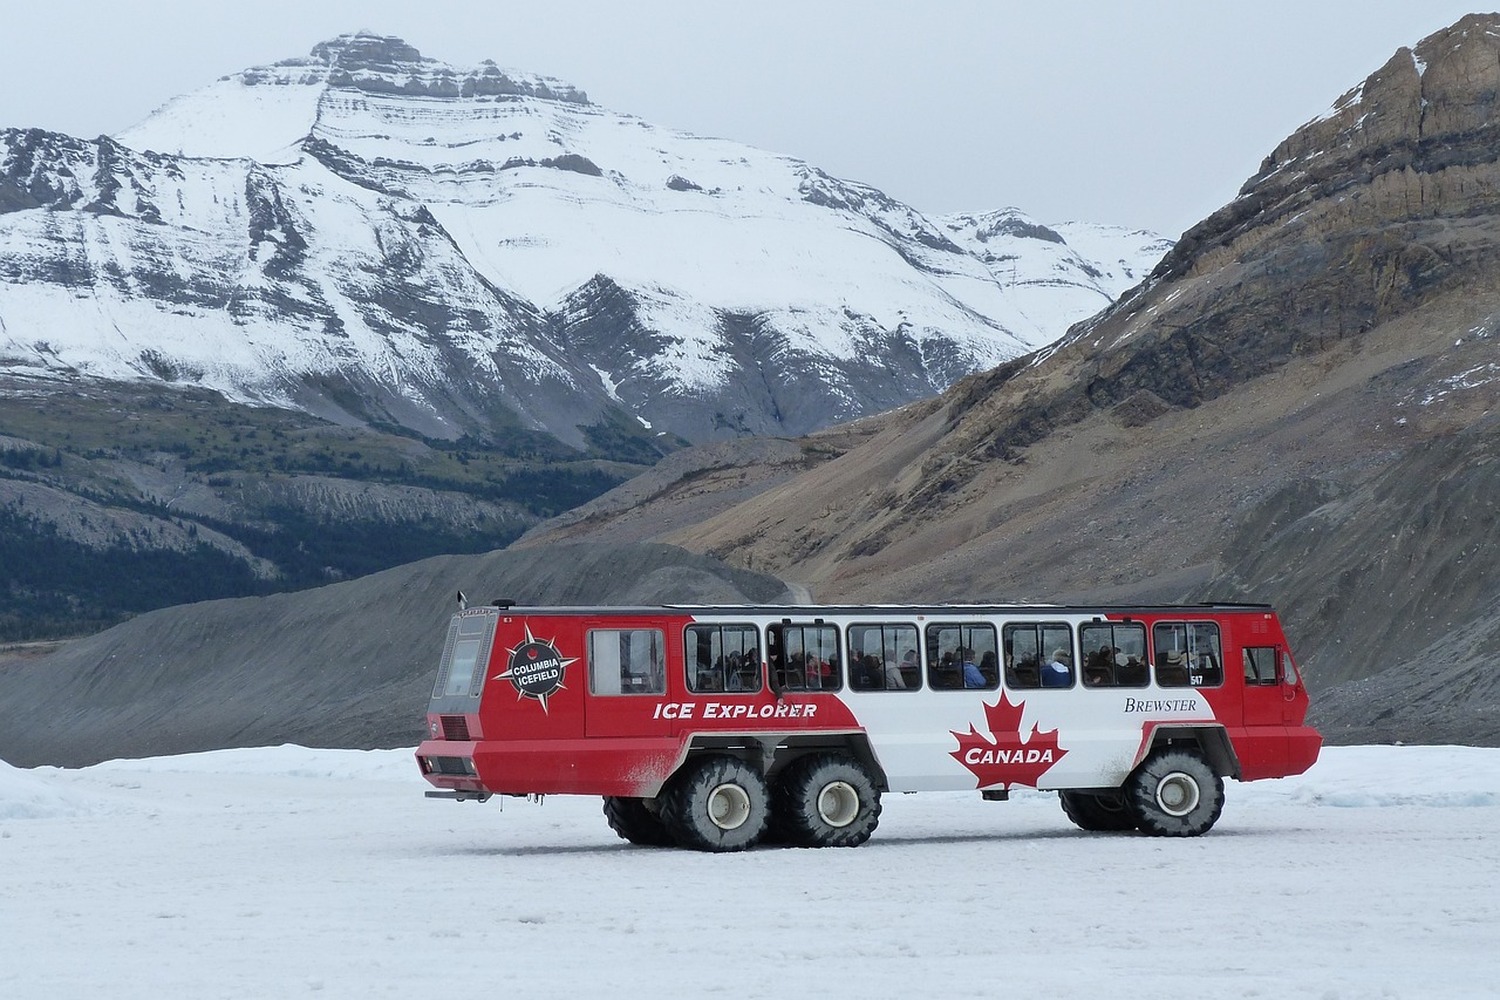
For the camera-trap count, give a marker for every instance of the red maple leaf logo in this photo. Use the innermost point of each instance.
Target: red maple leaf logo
(1007, 760)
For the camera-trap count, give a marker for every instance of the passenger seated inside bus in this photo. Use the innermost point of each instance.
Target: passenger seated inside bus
(808, 671)
(972, 677)
(1099, 668)
(1130, 671)
(942, 671)
(866, 674)
(911, 669)
(1058, 671)
(894, 678)
(989, 672)
(741, 673)
(1025, 674)
(795, 675)
(822, 673)
(1171, 669)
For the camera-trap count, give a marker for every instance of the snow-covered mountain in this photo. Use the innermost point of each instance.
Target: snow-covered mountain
(376, 236)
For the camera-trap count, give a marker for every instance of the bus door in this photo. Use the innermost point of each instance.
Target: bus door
(627, 676)
(1271, 684)
(1272, 708)
(1271, 679)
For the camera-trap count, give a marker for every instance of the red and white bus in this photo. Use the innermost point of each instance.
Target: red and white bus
(717, 727)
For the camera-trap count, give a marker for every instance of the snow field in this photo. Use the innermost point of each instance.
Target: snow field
(288, 872)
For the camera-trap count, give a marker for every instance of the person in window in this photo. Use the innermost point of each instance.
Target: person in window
(894, 679)
(1172, 670)
(1058, 671)
(945, 673)
(861, 675)
(819, 674)
(1098, 669)
(973, 678)
(738, 673)
(989, 668)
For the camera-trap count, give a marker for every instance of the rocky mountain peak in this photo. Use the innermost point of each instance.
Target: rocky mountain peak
(385, 64)
(1004, 222)
(373, 235)
(1381, 209)
(1415, 131)
(366, 50)
(1439, 96)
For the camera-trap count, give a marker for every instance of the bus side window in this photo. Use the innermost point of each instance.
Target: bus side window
(1114, 654)
(883, 657)
(1023, 658)
(627, 661)
(1188, 654)
(962, 656)
(1169, 641)
(723, 658)
(1030, 648)
(806, 656)
(1206, 655)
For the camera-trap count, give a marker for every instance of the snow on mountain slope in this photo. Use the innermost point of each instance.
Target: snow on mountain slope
(252, 280)
(1056, 275)
(376, 235)
(231, 120)
(1123, 258)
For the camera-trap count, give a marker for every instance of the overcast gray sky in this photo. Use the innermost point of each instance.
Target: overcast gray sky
(1147, 114)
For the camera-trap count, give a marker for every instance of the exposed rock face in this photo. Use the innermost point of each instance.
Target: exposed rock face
(1414, 142)
(1357, 218)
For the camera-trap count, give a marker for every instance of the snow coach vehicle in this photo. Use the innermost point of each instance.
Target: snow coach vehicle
(714, 728)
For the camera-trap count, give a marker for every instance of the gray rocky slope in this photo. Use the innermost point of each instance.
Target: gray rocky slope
(350, 665)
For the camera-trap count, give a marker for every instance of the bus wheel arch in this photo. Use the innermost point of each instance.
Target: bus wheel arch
(1210, 742)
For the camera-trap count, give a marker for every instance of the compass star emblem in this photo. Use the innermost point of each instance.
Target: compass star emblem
(536, 668)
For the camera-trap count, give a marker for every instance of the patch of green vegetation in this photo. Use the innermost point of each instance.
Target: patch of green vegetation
(212, 436)
(53, 587)
(617, 436)
(312, 551)
(30, 458)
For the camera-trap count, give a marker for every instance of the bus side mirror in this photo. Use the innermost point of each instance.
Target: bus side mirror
(1289, 675)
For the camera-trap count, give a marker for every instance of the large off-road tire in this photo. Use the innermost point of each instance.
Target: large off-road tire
(1174, 793)
(1098, 812)
(635, 822)
(716, 804)
(826, 800)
